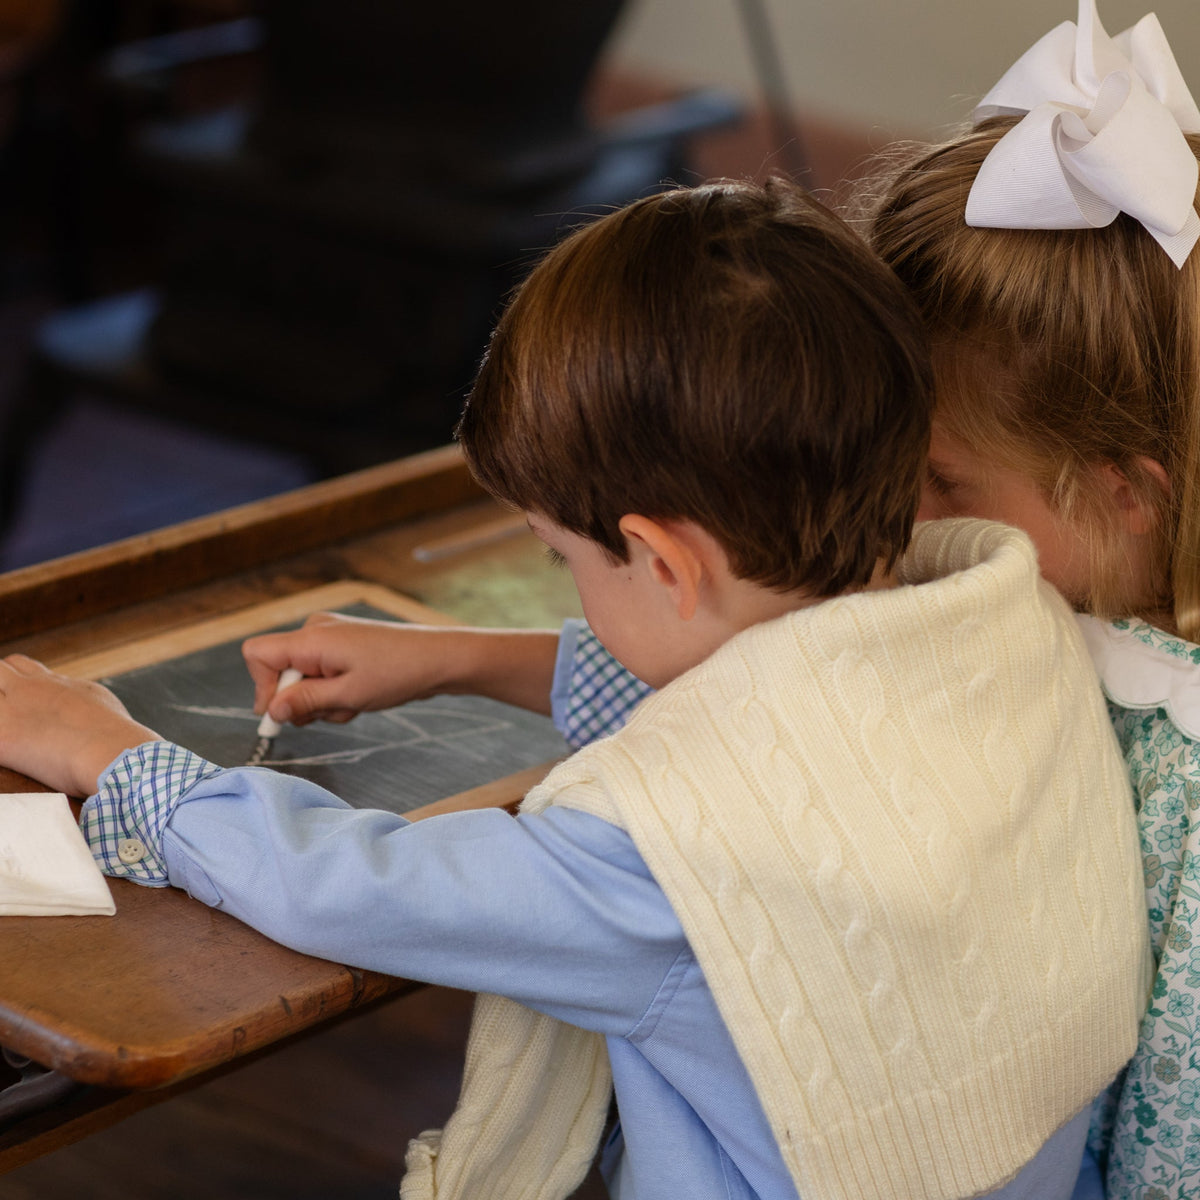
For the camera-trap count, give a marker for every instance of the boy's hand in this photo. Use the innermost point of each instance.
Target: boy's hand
(354, 664)
(350, 665)
(60, 731)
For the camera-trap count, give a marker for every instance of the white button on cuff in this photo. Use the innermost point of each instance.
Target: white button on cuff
(131, 851)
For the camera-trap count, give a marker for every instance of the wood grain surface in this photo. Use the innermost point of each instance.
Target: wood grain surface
(168, 988)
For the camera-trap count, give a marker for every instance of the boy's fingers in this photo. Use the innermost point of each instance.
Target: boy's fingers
(263, 693)
(337, 716)
(266, 656)
(324, 618)
(267, 652)
(23, 665)
(265, 680)
(297, 702)
(311, 698)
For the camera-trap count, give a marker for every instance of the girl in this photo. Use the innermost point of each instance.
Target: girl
(1068, 384)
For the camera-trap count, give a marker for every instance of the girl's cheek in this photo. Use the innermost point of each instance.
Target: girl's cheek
(933, 507)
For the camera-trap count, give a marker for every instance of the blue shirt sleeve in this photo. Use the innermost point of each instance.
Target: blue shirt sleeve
(557, 910)
(136, 793)
(564, 665)
(592, 695)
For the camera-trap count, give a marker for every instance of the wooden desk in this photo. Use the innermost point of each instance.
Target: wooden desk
(168, 990)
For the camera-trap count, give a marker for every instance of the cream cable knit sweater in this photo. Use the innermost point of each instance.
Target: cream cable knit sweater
(900, 839)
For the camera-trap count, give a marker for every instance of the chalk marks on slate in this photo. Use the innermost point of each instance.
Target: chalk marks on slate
(398, 759)
(217, 710)
(425, 728)
(456, 739)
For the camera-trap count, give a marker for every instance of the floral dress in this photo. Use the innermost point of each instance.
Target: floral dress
(1146, 1129)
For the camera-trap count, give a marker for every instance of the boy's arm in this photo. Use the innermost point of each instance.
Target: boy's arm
(125, 821)
(557, 911)
(64, 732)
(60, 731)
(352, 665)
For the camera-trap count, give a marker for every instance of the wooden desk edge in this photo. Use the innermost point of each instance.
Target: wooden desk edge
(43, 598)
(94, 1108)
(47, 595)
(342, 988)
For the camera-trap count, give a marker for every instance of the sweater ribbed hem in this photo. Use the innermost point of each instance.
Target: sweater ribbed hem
(975, 1135)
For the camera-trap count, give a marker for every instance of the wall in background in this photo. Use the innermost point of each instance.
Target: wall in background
(903, 68)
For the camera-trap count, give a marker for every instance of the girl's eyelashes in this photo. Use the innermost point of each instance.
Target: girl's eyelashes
(939, 484)
(554, 557)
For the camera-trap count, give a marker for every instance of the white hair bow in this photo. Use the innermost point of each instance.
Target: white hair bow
(1102, 135)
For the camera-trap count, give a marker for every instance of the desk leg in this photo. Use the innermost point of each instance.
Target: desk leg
(35, 1089)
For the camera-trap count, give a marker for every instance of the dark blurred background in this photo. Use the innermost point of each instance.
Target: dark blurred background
(249, 245)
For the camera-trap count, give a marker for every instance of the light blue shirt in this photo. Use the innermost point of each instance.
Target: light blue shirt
(557, 911)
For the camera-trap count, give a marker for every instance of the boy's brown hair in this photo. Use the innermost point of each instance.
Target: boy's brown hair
(1056, 352)
(730, 354)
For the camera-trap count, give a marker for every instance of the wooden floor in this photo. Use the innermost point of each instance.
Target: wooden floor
(327, 1117)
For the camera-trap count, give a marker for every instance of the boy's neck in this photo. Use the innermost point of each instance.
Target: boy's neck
(740, 604)
(760, 604)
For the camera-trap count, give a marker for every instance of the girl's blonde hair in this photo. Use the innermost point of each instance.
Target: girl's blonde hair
(1057, 352)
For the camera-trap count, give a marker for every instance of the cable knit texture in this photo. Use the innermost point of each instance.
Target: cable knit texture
(899, 837)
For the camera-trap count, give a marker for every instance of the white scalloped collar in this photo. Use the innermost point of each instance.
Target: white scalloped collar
(1135, 674)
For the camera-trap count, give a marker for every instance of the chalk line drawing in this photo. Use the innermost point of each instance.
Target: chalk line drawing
(355, 755)
(217, 710)
(407, 723)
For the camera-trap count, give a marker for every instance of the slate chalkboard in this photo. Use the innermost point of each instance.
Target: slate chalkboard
(398, 759)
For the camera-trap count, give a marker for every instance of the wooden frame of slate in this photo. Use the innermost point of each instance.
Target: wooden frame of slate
(190, 685)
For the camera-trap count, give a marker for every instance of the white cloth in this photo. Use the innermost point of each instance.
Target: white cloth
(899, 836)
(1103, 134)
(46, 868)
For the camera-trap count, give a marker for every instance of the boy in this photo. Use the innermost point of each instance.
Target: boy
(852, 906)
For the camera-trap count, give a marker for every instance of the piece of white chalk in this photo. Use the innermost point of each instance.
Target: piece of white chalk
(269, 727)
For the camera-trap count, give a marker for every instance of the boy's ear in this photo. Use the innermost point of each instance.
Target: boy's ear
(672, 558)
(1139, 512)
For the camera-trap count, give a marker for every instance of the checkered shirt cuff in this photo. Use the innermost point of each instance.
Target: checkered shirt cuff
(124, 821)
(601, 694)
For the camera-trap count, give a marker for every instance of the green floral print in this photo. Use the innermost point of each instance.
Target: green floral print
(1146, 1130)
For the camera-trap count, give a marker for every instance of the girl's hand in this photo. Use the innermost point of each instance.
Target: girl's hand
(60, 731)
(354, 664)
